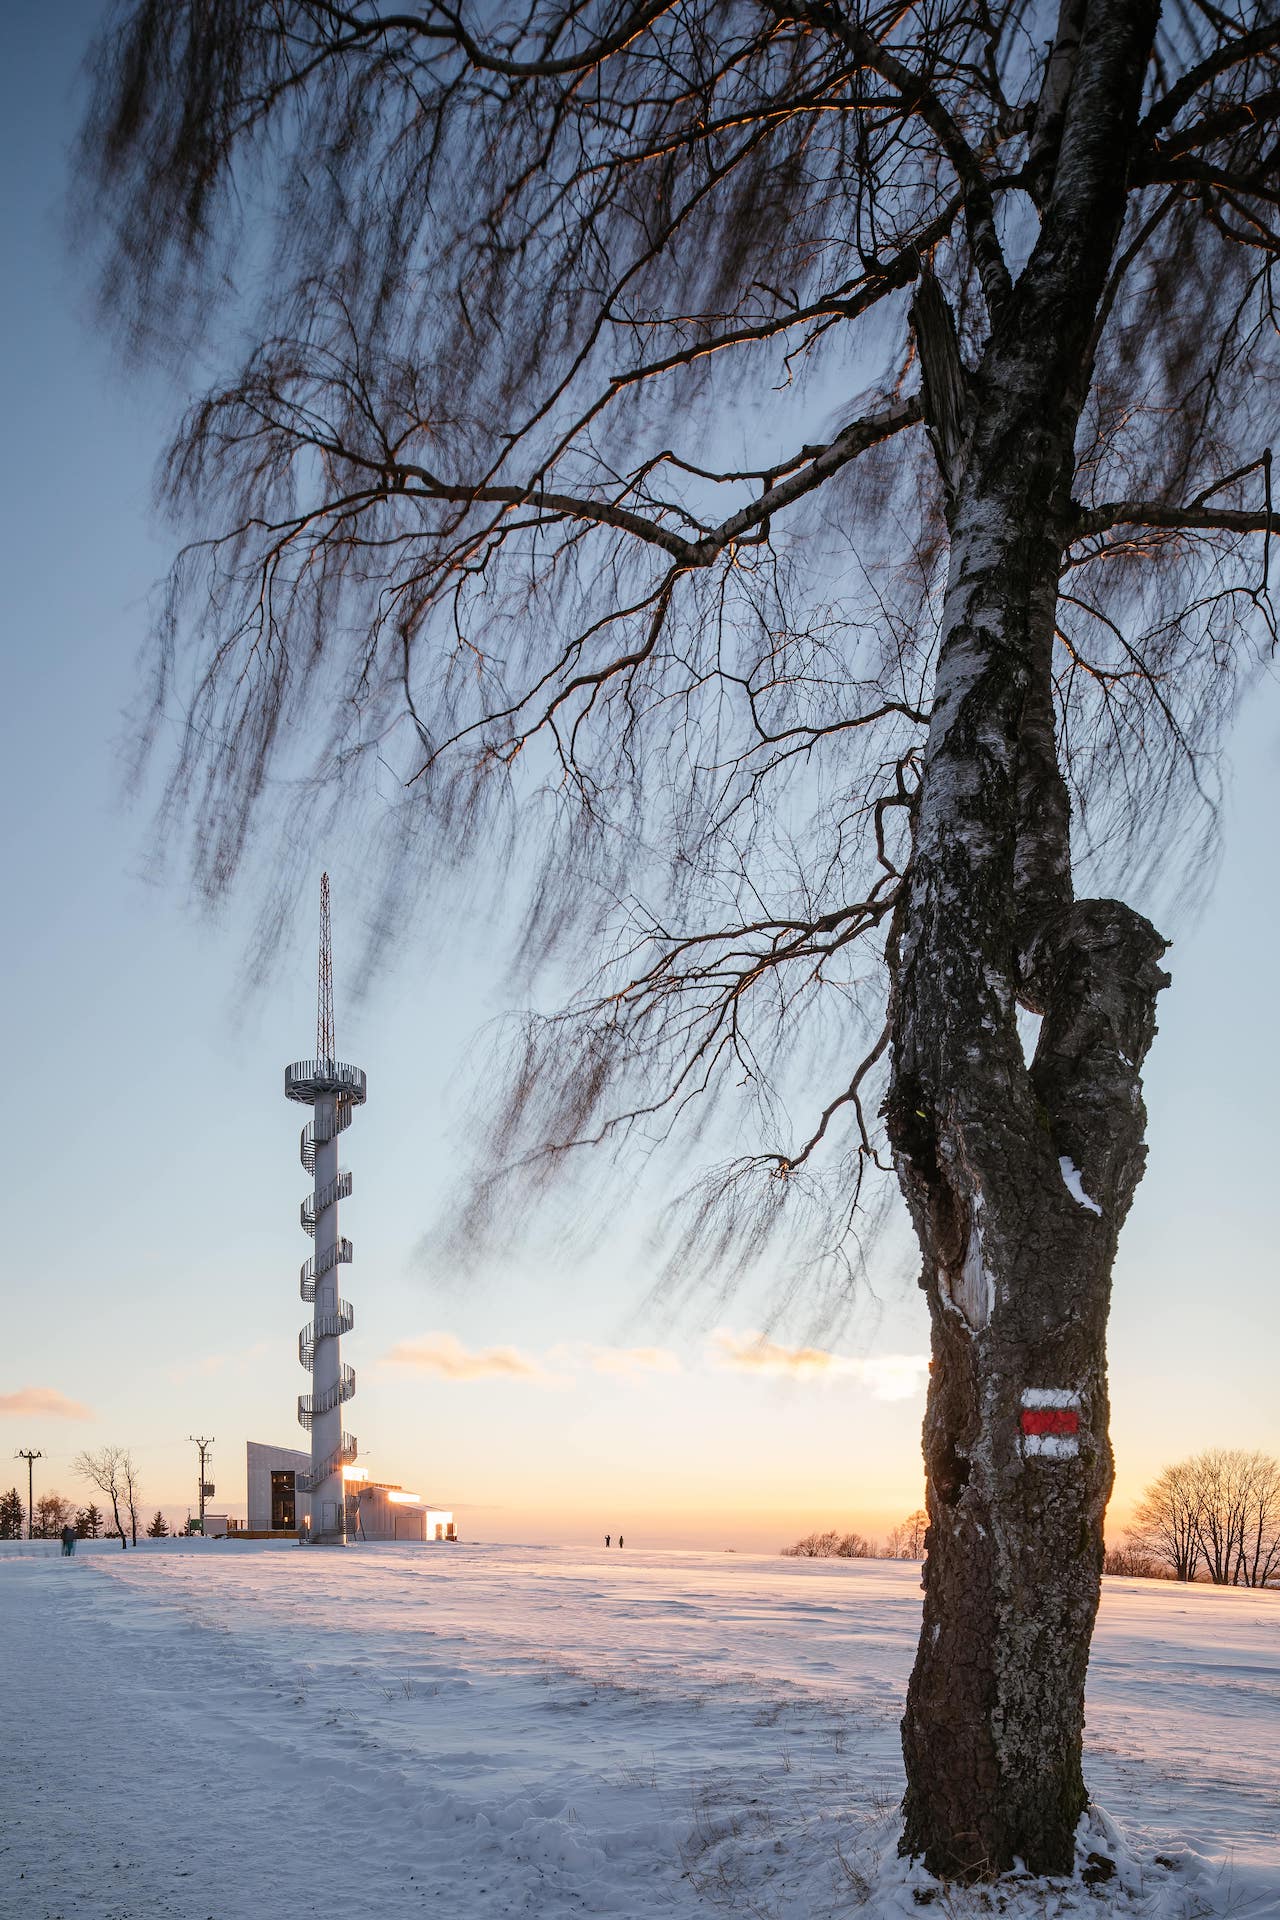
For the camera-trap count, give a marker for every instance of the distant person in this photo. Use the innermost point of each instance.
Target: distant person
(619, 1539)
(608, 1540)
(68, 1542)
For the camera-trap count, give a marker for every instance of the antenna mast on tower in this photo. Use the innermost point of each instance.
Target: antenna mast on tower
(324, 999)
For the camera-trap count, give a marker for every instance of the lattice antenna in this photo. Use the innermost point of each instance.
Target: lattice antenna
(324, 1000)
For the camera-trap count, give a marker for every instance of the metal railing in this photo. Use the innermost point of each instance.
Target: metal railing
(334, 1089)
(326, 1326)
(342, 1456)
(314, 1269)
(313, 1136)
(337, 1071)
(311, 1404)
(338, 1188)
(305, 1079)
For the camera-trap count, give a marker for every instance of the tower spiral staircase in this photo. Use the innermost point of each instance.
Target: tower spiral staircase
(333, 1090)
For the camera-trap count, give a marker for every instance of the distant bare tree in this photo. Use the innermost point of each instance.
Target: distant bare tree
(766, 465)
(1134, 1563)
(1219, 1510)
(104, 1468)
(813, 1546)
(1166, 1522)
(52, 1513)
(1219, 1488)
(1258, 1560)
(132, 1491)
(1237, 1515)
(831, 1545)
(906, 1540)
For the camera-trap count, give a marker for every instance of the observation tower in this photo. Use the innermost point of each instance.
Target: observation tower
(333, 1091)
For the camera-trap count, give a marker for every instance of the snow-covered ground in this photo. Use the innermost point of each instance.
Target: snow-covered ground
(236, 1733)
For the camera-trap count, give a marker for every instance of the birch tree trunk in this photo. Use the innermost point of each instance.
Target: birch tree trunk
(1018, 1179)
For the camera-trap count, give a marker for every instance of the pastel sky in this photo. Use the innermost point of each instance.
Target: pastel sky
(152, 1179)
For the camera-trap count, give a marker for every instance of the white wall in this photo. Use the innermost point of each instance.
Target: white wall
(261, 1462)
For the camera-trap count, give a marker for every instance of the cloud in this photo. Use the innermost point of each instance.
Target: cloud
(634, 1360)
(624, 1361)
(444, 1353)
(42, 1402)
(889, 1376)
(892, 1376)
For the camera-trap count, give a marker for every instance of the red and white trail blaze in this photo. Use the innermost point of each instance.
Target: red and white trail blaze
(1050, 1422)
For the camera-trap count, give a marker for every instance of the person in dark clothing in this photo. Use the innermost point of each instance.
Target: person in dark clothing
(619, 1539)
(68, 1542)
(608, 1539)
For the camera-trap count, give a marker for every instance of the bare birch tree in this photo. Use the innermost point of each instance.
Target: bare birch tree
(104, 1468)
(1133, 1562)
(1219, 1510)
(1258, 1558)
(799, 474)
(906, 1539)
(132, 1491)
(1237, 1514)
(1166, 1521)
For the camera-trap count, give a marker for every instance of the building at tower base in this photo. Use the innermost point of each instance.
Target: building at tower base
(277, 1502)
(376, 1510)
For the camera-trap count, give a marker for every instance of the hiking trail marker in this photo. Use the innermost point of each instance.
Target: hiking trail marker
(1050, 1422)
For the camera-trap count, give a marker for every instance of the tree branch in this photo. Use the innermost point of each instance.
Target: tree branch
(919, 98)
(1232, 54)
(1156, 513)
(452, 31)
(1255, 112)
(416, 483)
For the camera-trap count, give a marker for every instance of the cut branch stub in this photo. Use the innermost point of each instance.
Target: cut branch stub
(947, 405)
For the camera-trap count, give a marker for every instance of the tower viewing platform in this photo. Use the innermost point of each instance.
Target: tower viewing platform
(333, 1090)
(307, 1080)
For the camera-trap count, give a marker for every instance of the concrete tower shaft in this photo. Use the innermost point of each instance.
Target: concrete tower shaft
(332, 1090)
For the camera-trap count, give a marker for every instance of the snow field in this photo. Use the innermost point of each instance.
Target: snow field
(492, 1731)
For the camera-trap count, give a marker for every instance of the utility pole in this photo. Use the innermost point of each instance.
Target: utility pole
(29, 1457)
(205, 1446)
